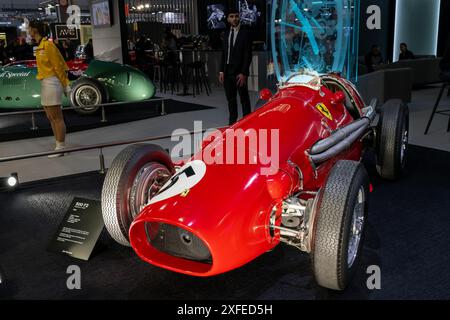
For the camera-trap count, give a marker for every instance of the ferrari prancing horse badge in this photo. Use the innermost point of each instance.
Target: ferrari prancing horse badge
(324, 110)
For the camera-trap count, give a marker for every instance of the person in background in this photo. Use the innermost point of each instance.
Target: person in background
(89, 50)
(69, 52)
(2, 52)
(170, 40)
(52, 72)
(130, 44)
(170, 45)
(140, 47)
(11, 51)
(373, 58)
(58, 44)
(235, 65)
(22, 50)
(405, 54)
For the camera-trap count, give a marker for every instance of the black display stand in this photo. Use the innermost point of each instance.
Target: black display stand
(79, 231)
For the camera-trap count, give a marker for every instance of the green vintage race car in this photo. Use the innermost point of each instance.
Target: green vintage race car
(92, 84)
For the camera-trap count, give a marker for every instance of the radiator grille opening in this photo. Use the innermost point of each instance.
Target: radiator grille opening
(177, 242)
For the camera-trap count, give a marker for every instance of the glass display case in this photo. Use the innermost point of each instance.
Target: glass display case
(314, 35)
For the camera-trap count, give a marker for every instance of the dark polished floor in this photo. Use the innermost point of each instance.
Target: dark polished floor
(408, 237)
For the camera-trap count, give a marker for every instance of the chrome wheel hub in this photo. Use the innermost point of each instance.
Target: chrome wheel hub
(356, 227)
(404, 145)
(149, 180)
(87, 96)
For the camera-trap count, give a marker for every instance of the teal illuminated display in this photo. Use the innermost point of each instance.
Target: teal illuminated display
(315, 35)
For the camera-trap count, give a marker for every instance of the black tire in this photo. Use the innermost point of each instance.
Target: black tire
(392, 139)
(94, 90)
(346, 188)
(117, 192)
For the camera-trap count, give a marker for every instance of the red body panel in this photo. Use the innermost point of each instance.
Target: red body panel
(229, 209)
(77, 66)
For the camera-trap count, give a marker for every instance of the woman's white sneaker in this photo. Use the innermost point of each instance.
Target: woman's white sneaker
(58, 148)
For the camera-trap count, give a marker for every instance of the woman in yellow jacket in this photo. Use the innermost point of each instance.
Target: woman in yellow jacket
(52, 71)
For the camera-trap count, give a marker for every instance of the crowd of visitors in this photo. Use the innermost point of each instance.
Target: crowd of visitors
(19, 50)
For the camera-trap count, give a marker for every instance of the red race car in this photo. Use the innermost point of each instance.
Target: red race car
(204, 217)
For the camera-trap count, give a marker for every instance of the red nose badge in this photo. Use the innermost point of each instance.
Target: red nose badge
(370, 188)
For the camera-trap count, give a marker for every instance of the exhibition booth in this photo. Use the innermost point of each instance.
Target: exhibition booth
(225, 150)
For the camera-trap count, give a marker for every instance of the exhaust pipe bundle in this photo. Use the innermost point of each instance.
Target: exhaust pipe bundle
(343, 138)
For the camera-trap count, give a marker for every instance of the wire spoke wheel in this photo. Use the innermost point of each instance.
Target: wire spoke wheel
(339, 231)
(146, 185)
(88, 97)
(356, 228)
(135, 176)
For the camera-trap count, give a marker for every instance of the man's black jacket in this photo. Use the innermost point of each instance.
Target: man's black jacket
(241, 57)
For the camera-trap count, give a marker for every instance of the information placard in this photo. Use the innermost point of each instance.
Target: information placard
(79, 231)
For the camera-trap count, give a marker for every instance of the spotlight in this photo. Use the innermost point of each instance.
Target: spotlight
(9, 183)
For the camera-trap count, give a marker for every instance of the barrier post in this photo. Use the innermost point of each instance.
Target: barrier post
(102, 162)
(33, 122)
(104, 120)
(163, 108)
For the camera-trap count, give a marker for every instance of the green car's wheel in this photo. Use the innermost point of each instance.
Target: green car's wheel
(88, 94)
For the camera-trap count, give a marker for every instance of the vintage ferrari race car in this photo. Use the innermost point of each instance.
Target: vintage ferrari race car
(92, 84)
(204, 217)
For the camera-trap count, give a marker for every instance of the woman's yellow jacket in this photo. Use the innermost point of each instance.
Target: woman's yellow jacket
(51, 63)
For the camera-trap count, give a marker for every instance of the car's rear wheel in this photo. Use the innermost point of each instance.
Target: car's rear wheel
(340, 222)
(88, 94)
(392, 139)
(134, 177)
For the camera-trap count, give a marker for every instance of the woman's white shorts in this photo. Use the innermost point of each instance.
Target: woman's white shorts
(51, 92)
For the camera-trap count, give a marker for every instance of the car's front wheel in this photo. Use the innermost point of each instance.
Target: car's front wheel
(135, 176)
(88, 94)
(339, 230)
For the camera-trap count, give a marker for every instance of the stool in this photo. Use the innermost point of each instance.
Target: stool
(171, 75)
(157, 72)
(200, 80)
(441, 112)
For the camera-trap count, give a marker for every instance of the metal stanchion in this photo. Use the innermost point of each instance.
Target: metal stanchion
(33, 122)
(102, 162)
(103, 115)
(163, 108)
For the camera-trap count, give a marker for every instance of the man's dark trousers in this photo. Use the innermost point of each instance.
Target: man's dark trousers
(231, 91)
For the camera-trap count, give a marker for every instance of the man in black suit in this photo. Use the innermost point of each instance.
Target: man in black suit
(236, 60)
